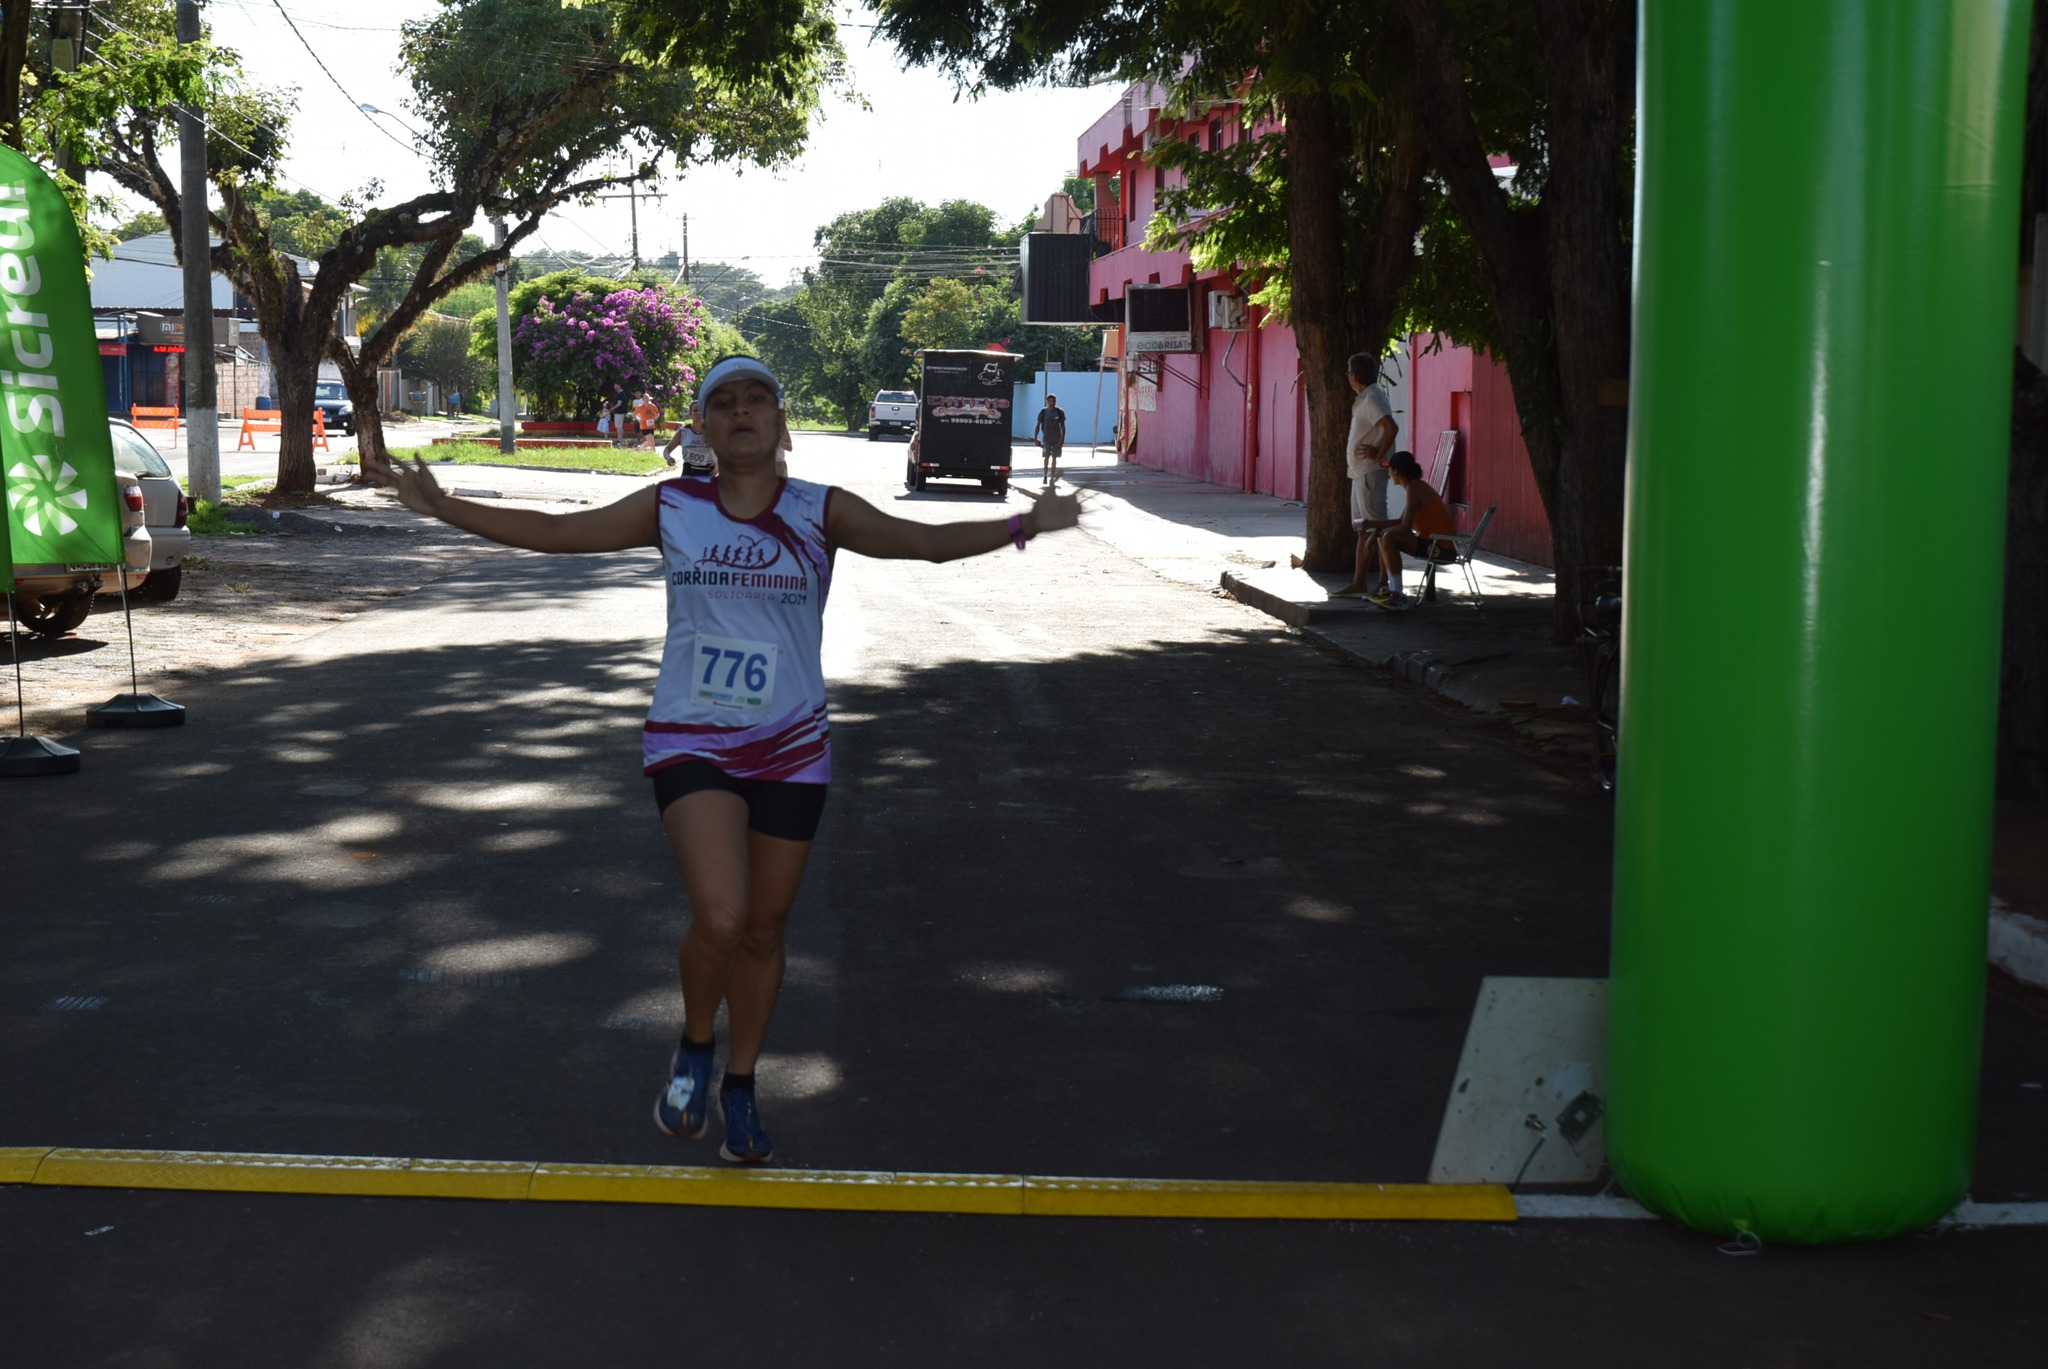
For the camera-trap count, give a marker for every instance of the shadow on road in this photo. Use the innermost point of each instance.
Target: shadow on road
(1215, 907)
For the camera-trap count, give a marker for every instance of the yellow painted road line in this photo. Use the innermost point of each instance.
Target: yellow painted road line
(234, 1172)
(1268, 1201)
(18, 1163)
(816, 1190)
(834, 1190)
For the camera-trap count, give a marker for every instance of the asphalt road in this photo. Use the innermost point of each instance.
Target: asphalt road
(402, 892)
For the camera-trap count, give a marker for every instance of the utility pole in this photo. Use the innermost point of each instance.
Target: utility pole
(67, 52)
(632, 199)
(508, 403)
(686, 249)
(202, 423)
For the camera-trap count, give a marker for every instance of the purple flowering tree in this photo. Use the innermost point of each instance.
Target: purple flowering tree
(569, 354)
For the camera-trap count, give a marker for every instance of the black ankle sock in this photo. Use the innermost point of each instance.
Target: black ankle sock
(735, 1082)
(698, 1047)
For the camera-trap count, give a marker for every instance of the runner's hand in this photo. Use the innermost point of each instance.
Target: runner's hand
(1052, 511)
(414, 485)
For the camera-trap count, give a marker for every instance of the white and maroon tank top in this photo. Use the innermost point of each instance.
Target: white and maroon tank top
(742, 683)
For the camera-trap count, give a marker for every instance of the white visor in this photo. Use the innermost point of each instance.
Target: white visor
(738, 368)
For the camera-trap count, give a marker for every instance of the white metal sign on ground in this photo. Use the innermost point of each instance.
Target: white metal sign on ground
(1528, 1101)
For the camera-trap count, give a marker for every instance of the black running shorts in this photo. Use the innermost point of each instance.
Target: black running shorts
(775, 808)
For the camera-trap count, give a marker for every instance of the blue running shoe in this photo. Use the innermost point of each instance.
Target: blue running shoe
(684, 1107)
(745, 1142)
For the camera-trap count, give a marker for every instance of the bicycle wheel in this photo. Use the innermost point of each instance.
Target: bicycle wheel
(1606, 703)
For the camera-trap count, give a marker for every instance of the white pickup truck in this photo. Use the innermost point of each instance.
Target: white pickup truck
(892, 411)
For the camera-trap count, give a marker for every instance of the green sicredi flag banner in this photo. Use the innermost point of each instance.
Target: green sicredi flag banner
(56, 458)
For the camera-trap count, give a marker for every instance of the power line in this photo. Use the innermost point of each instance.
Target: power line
(94, 16)
(325, 24)
(337, 81)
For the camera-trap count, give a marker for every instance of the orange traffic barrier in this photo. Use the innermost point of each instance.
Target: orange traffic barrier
(256, 421)
(146, 416)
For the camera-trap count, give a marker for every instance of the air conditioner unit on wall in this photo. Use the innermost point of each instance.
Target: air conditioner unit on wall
(1226, 310)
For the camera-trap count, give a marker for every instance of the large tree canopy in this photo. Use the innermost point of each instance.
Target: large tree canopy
(1551, 83)
(51, 110)
(526, 105)
(853, 299)
(1320, 217)
(1383, 108)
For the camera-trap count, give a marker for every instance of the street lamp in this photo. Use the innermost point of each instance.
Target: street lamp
(369, 108)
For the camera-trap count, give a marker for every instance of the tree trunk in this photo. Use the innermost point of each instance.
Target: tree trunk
(2023, 661)
(1559, 272)
(1589, 60)
(295, 370)
(14, 32)
(371, 454)
(1315, 247)
(2023, 669)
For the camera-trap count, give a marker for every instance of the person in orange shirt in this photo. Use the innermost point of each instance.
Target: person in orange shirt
(649, 415)
(1420, 531)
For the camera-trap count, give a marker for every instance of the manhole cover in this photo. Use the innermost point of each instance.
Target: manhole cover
(485, 981)
(1169, 993)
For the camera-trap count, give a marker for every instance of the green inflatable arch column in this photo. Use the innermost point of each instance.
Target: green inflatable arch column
(1827, 243)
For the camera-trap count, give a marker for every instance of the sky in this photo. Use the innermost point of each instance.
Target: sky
(1008, 151)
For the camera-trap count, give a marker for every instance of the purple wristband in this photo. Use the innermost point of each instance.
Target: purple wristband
(1017, 530)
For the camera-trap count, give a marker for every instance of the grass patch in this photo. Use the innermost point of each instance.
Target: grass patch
(209, 520)
(817, 425)
(622, 461)
(234, 482)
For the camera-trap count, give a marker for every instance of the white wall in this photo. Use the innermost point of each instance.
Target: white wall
(1077, 391)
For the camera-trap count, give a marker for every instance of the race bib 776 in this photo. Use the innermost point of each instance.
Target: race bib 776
(733, 673)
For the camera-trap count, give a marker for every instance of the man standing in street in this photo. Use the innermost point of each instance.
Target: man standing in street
(1365, 449)
(1051, 432)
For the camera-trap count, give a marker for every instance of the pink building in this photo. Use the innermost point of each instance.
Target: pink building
(1227, 404)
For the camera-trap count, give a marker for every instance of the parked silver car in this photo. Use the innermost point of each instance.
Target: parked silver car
(165, 509)
(53, 599)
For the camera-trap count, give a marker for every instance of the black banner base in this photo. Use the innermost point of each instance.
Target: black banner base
(135, 710)
(27, 755)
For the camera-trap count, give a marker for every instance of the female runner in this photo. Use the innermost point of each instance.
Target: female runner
(736, 740)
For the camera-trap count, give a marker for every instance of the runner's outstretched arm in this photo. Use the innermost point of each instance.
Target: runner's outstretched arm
(630, 522)
(859, 526)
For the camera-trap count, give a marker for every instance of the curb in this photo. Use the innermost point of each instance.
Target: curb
(2019, 944)
(1288, 611)
(292, 521)
(1424, 666)
(555, 470)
